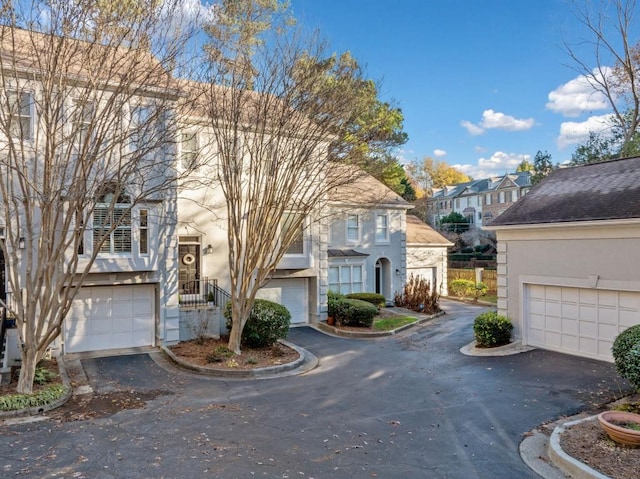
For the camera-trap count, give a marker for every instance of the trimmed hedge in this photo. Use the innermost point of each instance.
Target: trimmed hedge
(376, 299)
(355, 312)
(491, 330)
(626, 354)
(268, 322)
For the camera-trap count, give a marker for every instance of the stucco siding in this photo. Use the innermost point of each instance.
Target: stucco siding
(599, 257)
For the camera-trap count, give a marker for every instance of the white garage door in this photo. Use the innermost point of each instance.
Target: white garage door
(291, 293)
(583, 322)
(108, 317)
(427, 273)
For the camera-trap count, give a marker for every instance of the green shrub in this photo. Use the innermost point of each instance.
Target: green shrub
(268, 322)
(355, 312)
(43, 375)
(378, 300)
(492, 330)
(333, 302)
(626, 354)
(464, 288)
(220, 354)
(47, 395)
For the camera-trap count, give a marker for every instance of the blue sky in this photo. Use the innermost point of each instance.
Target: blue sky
(482, 84)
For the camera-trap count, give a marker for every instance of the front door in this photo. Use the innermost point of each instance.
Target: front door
(189, 269)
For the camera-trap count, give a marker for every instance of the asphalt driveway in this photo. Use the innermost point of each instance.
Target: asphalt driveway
(409, 406)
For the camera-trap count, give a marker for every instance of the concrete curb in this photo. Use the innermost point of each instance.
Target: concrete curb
(306, 362)
(566, 463)
(515, 347)
(39, 410)
(334, 331)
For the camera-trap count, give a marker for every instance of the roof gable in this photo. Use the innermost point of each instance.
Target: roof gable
(599, 191)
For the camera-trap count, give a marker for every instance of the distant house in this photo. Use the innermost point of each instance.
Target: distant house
(568, 259)
(427, 253)
(367, 241)
(480, 201)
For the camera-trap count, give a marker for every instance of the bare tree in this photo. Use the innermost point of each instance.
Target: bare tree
(284, 121)
(615, 65)
(87, 114)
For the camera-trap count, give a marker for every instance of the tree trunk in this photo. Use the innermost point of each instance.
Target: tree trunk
(27, 372)
(235, 335)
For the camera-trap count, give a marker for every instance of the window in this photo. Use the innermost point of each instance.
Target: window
(353, 229)
(382, 228)
(297, 243)
(479, 200)
(20, 110)
(189, 153)
(501, 197)
(144, 232)
(487, 199)
(112, 221)
(346, 279)
(83, 114)
(458, 203)
(514, 195)
(139, 126)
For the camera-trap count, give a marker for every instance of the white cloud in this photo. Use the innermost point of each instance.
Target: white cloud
(574, 133)
(439, 153)
(471, 128)
(493, 120)
(497, 164)
(577, 97)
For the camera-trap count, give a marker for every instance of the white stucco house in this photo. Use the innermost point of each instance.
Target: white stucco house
(128, 298)
(367, 248)
(568, 259)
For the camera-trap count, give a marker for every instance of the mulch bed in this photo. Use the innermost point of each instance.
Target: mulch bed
(589, 444)
(197, 354)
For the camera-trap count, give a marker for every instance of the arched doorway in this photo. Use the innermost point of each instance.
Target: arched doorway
(383, 278)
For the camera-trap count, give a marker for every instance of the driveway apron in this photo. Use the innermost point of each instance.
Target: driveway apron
(407, 406)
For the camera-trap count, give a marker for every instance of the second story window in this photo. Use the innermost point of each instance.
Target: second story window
(20, 114)
(487, 199)
(297, 243)
(112, 222)
(353, 229)
(140, 117)
(144, 232)
(382, 228)
(83, 114)
(189, 150)
(501, 197)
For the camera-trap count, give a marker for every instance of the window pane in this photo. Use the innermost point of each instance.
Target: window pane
(144, 232)
(333, 275)
(356, 288)
(356, 271)
(345, 274)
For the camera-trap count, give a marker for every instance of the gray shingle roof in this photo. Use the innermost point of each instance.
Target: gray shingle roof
(419, 232)
(339, 253)
(600, 191)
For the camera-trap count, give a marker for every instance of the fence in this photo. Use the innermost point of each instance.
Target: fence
(203, 292)
(488, 277)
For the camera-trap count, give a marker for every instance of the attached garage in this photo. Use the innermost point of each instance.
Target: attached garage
(578, 321)
(291, 293)
(568, 258)
(111, 317)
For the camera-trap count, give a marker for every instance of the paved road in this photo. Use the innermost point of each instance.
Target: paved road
(409, 406)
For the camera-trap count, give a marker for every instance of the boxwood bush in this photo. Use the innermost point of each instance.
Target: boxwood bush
(376, 299)
(626, 354)
(268, 322)
(492, 329)
(355, 312)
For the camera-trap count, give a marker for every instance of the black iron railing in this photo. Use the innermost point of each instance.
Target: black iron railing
(203, 292)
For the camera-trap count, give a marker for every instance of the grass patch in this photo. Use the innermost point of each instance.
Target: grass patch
(387, 324)
(489, 298)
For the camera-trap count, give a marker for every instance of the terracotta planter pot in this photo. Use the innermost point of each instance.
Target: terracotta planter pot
(609, 421)
(331, 320)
